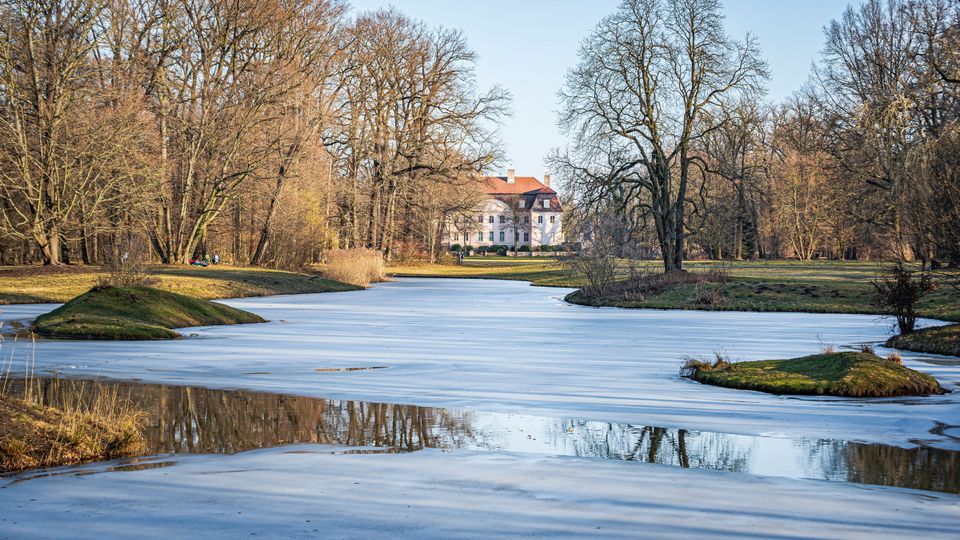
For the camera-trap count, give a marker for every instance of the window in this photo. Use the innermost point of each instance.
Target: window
(516, 237)
(491, 219)
(523, 203)
(502, 237)
(491, 234)
(546, 203)
(539, 219)
(553, 219)
(526, 237)
(480, 218)
(502, 219)
(466, 238)
(479, 237)
(526, 219)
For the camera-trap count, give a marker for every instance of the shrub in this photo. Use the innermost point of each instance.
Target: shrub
(597, 267)
(895, 358)
(866, 348)
(525, 248)
(126, 268)
(406, 251)
(357, 266)
(456, 248)
(897, 291)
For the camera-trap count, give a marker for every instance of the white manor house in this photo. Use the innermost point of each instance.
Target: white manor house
(518, 211)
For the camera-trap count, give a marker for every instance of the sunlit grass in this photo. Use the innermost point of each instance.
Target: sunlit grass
(88, 428)
(808, 286)
(847, 374)
(37, 285)
(134, 313)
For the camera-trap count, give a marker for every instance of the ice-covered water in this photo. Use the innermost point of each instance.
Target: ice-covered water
(508, 347)
(498, 352)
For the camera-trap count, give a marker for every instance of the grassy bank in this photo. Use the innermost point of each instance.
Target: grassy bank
(134, 313)
(846, 374)
(35, 284)
(543, 271)
(808, 286)
(33, 436)
(937, 340)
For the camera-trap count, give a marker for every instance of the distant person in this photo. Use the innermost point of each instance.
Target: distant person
(216, 258)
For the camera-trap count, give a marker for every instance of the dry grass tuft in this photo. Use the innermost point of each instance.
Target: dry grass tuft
(357, 266)
(82, 427)
(692, 366)
(895, 358)
(36, 436)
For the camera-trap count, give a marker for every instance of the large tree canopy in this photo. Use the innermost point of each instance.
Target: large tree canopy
(638, 102)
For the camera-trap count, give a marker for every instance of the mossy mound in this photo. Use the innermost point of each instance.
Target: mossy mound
(847, 374)
(937, 340)
(134, 313)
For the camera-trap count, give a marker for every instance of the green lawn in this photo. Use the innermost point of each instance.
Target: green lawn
(810, 286)
(34, 284)
(937, 340)
(544, 271)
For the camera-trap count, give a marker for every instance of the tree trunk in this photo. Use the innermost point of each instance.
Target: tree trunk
(264, 240)
(49, 244)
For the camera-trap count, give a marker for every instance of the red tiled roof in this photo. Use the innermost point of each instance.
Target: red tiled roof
(529, 188)
(498, 185)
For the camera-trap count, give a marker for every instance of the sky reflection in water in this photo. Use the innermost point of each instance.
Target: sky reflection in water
(199, 420)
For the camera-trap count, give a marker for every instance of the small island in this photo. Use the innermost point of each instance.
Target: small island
(844, 374)
(114, 313)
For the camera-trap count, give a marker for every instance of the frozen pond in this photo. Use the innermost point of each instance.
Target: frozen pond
(508, 347)
(434, 408)
(189, 420)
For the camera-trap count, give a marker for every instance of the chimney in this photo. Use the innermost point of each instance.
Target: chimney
(511, 173)
(546, 180)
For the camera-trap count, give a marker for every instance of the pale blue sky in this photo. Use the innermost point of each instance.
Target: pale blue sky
(528, 45)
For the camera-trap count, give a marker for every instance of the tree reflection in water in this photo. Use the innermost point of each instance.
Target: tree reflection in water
(920, 468)
(199, 420)
(648, 444)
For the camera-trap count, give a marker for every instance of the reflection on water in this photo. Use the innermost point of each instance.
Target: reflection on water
(199, 420)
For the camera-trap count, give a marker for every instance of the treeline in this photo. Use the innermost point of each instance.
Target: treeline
(679, 155)
(265, 131)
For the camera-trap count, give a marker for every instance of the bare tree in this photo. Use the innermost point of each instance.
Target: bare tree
(637, 103)
(736, 153)
(411, 116)
(62, 142)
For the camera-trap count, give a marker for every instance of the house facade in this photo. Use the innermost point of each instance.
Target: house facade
(517, 211)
